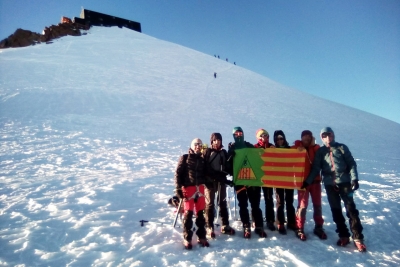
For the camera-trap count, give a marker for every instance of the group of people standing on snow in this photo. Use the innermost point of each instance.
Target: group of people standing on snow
(202, 173)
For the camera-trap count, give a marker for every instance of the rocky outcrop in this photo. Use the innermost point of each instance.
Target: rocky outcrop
(21, 38)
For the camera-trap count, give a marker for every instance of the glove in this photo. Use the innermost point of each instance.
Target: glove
(354, 185)
(179, 193)
(304, 185)
(229, 183)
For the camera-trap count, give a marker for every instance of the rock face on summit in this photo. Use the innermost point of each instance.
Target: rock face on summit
(22, 38)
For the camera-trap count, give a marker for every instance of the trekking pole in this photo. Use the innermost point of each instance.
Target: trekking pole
(234, 192)
(228, 203)
(218, 199)
(178, 211)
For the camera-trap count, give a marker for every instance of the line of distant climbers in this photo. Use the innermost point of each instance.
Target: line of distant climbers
(225, 59)
(215, 74)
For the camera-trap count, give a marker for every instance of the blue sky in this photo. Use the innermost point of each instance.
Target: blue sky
(344, 51)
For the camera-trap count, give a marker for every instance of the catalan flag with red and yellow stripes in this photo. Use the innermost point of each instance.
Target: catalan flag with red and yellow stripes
(270, 167)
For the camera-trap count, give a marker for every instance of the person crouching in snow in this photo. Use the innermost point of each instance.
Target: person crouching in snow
(307, 143)
(284, 195)
(189, 188)
(339, 174)
(216, 181)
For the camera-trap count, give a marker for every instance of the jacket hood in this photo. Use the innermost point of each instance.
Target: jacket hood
(280, 133)
(328, 130)
(239, 140)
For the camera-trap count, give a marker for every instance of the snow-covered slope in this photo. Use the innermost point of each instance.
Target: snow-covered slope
(92, 127)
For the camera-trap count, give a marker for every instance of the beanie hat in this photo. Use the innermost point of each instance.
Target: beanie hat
(306, 132)
(195, 141)
(215, 136)
(260, 132)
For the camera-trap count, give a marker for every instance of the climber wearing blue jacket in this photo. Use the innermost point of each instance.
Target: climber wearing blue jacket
(339, 175)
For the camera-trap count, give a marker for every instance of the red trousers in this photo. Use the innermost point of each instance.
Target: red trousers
(190, 203)
(303, 195)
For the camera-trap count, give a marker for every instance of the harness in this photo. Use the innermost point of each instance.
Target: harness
(196, 195)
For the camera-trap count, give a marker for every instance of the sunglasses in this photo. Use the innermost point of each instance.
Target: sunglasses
(264, 135)
(238, 133)
(280, 139)
(324, 135)
(198, 144)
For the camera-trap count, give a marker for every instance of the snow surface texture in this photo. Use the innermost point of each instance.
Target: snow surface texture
(91, 131)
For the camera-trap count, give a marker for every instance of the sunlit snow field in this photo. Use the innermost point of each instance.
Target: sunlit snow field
(91, 131)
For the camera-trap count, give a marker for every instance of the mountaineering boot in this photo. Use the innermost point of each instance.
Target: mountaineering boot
(260, 232)
(187, 244)
(319, 231)
(343, 241)
(210, 232)
(271, 226)
(282, 229)
(226, 229)
(246, 231)
(300, 235)
(203, 242)
(360, 245)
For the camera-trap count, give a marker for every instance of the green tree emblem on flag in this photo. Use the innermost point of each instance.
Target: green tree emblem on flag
(246, 172)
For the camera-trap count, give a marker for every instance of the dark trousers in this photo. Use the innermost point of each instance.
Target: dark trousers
(210, 191)
(269, 204)
(344, 192)
(252, 194)
(188, 225)
(285, 196)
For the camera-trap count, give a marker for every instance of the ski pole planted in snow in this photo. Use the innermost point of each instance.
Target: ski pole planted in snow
(218, 199)
(228, 203)
(234, 191)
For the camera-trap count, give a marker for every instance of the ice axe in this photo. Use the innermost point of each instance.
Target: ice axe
(178, 211)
